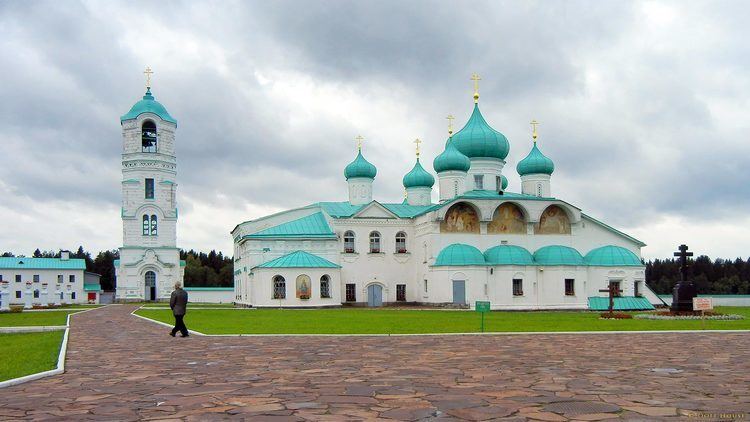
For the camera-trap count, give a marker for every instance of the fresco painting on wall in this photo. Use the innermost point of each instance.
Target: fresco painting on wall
(461, 218)
(508, 218)
(303, 287)
(553, 221)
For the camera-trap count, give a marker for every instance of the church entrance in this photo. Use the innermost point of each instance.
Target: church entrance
(374, 295)
(459, 292)
(150, 283)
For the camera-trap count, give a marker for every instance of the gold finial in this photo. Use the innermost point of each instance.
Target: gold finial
(450, 124)
(417, 141)
(148, 74)
(359, 139)
(534, 124)
(476, 79)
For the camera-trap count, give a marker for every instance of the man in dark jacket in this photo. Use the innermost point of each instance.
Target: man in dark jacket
(178, 303)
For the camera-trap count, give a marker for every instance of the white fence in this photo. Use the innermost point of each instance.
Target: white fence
(210, 294)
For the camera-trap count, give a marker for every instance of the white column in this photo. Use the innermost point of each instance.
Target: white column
(27, 296)
(57, 294)
(5, 297)
(43, 295)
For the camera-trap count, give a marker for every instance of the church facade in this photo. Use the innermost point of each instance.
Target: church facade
(149, 263)
(480, 242)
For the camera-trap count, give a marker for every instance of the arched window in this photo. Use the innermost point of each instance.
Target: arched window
(146, 225)
(374, 242)
(349, 242)
(279, 287)
(150, 279)
(148, 136)
(400, 242)
(325, 286)
(153, 225)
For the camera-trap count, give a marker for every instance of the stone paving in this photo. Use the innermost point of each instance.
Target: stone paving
(120, 367)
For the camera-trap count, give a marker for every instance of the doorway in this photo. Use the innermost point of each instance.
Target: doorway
(374, 295)
(459, 292)
(150, 283)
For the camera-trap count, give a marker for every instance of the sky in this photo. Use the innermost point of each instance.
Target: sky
(643, 107)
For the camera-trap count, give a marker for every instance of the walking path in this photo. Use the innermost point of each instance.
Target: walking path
(120, 367)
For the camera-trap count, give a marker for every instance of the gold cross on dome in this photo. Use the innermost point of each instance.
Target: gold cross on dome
(359, 139)
(148, 72)
(534, 124)
(450, 124)
(417, 141)
(476, 79)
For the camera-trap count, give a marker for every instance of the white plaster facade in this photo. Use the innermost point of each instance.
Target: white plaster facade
(67, 284)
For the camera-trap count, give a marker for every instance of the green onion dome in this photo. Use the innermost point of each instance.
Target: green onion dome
(535, 163)
(148, 105)
(360, 168)
(451, 159)
(418, 177)
(478, 140)
(504, 182)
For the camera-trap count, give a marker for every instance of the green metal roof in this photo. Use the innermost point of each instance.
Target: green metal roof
(477, 139)
(508, 255)
(42, 263)
(451, 159)
(314, 225)
(504, 182)
(345, 209)
(558, 255)
(418, 177)
(360, 168)
(299, 259)
(92, 287)
(148, 105)
(459, 254)
(612, 256)
(535, 163)
(624, 303)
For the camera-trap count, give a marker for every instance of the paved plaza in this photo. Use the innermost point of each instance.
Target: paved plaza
(120, 367)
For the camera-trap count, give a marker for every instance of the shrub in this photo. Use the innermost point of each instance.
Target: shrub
(615, 315)
(16, 308)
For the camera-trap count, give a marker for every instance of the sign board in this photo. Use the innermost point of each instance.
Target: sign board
(482, 306)
(702, 304)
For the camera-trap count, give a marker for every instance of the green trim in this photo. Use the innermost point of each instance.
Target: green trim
(91, 287)
(42, 263)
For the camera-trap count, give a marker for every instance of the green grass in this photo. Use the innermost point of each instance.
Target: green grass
(389, 321)
(27, 319)
(28, 353)
(190, 305)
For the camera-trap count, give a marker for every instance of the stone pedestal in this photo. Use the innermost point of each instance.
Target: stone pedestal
(4, 297)
(43, 295)
(682, 297)
(27, 296)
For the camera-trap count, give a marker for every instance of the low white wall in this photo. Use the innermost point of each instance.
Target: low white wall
(210, 294)
(718, 300)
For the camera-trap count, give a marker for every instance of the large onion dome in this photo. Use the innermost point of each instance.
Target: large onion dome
(504, 182)
(451, 159)
(360, 168)
(535, 163)
(418, 177)
(148, 105)
(478, 140)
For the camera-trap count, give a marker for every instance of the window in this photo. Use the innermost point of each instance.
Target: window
(149, 188)
(400, 242)
(351, 292)
(72, 278)
(498, 183)
(425, 285)
(616, 286)
(146, 225)
(36, 294)
(517, 287)
(60, 278)
(18, 294)
(36, 278)
(570, 287)
(148, 136)
(401, 292)
(636, 291)
(478, 181)
(279, 287)
(325, 287)
(539, 189)
(153, 225)
(18, 278)
(73, 295)
(1, 278)
(349, 241)
(374, 242)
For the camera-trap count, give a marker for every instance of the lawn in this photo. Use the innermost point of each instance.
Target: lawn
(32, 318)
(389, 321)
(28, 353)
(190, 305)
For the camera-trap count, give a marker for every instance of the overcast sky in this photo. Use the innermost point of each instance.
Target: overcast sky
(643, 108)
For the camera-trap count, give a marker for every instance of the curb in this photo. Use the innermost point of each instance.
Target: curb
(198, 333)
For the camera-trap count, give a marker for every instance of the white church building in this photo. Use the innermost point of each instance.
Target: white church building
(479, 242)
(149, 263)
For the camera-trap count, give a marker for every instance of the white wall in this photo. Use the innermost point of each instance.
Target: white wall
(260, 287)
(210, 295)
(48, 276)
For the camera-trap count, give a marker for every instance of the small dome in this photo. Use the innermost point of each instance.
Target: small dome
(148, 105)
(478, 140)
(418, 177)
(360, 168)
(535, 163)
(508, 255)
(558, 255)
(613, 256)
(459, 254)
(504, 183)
(451, 159)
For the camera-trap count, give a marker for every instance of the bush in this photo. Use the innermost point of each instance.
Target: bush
(615, 315)
(16, 309)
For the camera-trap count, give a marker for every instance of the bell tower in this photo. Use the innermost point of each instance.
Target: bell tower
(149, 262)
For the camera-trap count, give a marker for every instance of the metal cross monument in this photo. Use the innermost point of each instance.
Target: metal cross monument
(683, 254)
(613, 291)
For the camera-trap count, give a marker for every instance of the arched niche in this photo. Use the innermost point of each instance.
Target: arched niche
(507, 219)
(460, 218)
(554, 220)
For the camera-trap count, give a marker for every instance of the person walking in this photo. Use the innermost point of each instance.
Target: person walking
(178, 303)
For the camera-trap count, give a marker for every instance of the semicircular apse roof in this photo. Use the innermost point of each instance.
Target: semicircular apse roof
(459, 254)
(508, 255)
(613, 256)
(558, 255)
